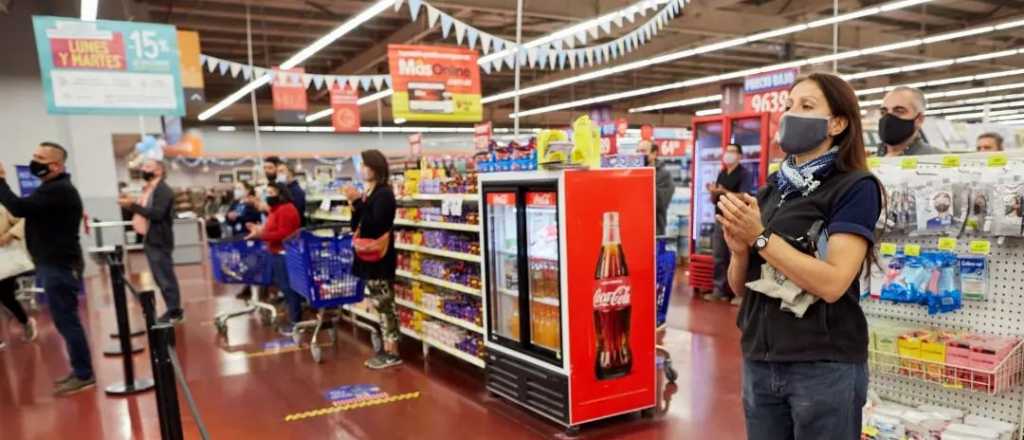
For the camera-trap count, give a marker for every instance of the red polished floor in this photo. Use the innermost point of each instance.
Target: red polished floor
(247, 397)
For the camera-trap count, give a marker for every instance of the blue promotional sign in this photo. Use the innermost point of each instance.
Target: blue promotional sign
(278, 344)
(109, 67)
(353, 393)
(26, 181)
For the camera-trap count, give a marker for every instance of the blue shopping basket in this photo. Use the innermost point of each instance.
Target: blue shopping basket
(664, 276)
(320, 268)
(240, 262)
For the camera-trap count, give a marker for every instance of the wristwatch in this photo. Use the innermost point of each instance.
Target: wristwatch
(761, 241)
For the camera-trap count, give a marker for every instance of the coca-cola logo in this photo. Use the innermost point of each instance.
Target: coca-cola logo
(611, 294)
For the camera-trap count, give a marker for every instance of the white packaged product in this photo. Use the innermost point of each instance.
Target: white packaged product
(933, 199)
(952, 414)
(1007, 213)
(977, 202)
(894, 219)
(972, 431)
(1004, 429)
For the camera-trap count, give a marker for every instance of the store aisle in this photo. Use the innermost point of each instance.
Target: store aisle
(241, 395)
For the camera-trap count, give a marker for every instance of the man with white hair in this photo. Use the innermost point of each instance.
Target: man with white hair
(154, 219)
(903, 111)
(902, 116)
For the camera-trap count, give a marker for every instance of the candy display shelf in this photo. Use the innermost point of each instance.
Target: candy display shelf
(439, 252)
(441, 316)
(445, 348)
(466, 197)
(438, 225)
(330, 217)
(438, 282)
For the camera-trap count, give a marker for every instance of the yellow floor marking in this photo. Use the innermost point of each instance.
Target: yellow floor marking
(348, 407)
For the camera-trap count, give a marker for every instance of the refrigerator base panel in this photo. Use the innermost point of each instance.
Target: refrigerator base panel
(539, 390)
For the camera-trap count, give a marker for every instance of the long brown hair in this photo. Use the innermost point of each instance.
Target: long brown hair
(852, 155)
(376, 162)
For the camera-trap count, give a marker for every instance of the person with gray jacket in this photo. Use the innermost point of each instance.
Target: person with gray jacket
(154, 219)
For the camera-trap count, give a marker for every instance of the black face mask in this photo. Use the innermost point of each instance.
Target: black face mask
(895, 131)
(38, 169)
(271, 178)
(148, 175)
(273, 200)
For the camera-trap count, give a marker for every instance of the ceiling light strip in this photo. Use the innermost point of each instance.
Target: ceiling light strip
(362, 101)
(304, 54)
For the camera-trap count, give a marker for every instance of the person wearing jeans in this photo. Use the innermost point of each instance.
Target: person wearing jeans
(53, 216)
(810, 229)
(282, 222)
(154, 219)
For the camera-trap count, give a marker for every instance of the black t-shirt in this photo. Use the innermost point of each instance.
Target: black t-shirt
(736, 181)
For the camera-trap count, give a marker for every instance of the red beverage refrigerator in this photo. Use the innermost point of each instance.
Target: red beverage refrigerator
(569, 304)
(710, 136)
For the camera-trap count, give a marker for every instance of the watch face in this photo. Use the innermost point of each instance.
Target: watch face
(761, 242)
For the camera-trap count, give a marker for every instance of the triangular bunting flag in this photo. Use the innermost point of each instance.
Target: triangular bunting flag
(582, 37)
(499, 44)
(223, 67)
(522, 57)
(581, 58)
(597, 56)
(561, 60)
(606, 26)
(471, 36)
(496, 64)
(460, 31)
(570, 42)
(556, 45)
(246, 71)
(329, 81)
(650, 30)
(307, 80)
(487, 68)
(629, 43)
(485, 42)
(365, 82)
(635, 36)
(532, 56)
(617, 20)
(613, 49)
(641, 35)
(510, 60)
(235, 68)
(211, 64)
(202, 60)
(378, 82)
(387, 80)
(353, 82)
(590, 56)
(594, 32)
(552, 57)
(432, 14)
(630, 14)
(542, 60)
(398, 5)
(606, 51)
(572, 60)
(446, 24)
(621, 43)
(414, 9)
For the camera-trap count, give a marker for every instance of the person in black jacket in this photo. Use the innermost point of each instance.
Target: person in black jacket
(154, 219)
(373, 217)
(53, 214)
(798, 250)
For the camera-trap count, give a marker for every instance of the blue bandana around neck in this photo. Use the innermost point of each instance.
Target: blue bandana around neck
(804, 178)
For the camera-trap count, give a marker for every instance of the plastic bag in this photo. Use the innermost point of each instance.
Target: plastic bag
(587, 143)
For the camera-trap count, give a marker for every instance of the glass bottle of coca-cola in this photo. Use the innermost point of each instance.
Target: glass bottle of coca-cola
(612, 304)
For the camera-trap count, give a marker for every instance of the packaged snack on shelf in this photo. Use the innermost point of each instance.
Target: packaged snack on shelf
(1007, 196)
(1004, 429)
(974, 277)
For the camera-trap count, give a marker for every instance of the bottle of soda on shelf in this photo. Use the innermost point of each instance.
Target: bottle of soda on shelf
(612, 305)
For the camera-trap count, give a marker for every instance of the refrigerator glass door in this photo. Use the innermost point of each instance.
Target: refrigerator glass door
(542, 259)
(503, 267)
(707, 162)
(747, 133)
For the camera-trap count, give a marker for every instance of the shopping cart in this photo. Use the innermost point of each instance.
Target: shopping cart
(664, 277)
(320, 269)
(244, 262)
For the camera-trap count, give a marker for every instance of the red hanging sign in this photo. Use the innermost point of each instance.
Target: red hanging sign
(415, 144)
(289, 93)
(482, 134)
(345, 103)
(621, 125)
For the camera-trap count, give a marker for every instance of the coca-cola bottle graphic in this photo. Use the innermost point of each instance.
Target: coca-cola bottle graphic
(612, 305)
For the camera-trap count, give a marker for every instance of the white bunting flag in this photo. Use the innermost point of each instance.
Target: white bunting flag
(246, 71)
(606, 50)
(581, 36)
(318, 81)
(307, 80)
(211, 64)
(594, 32)
(561, 59)
(630, 14)
(581, 58)
(202, 60)
(471, 36)
(365, 82)
(446, 24)
(223, 67)
(532, 56)
(552, 56)
(487, 68)
(378, 82)
(572, 60)
(499, 44)
(496, 64)
(617, 20)
(398, 5)
(414, 9)
(460, 31)
(387, 80)
(353, 82)
(522, 57)
(589, 56)
(485, 42)
(235, 68)
(432, 14)
(621, 44)
(510, 60)
(606, 26)
(570, 42)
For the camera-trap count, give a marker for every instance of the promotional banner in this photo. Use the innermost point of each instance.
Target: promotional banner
(109, 67)
(610, 267)
(345, 103)
(435, 83)
(191, 66)
(672, 142)
(482, 134)
(767, 92)
(27, 182)
(289, 96)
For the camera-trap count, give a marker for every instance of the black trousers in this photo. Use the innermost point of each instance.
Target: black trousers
(8, 286)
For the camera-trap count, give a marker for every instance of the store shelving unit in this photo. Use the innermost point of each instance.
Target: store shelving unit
(440, 315)
(439, 282)
(330, 217)
(464, 227)
(472, 258)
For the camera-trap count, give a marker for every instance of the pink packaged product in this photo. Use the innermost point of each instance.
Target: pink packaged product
(987, 352)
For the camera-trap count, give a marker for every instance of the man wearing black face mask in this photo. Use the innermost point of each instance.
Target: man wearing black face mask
(903, 111)
(53, 215)
(154, 219)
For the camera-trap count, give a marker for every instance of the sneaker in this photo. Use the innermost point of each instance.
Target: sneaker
(31, 332)
(3, 345)
(172, 317)
(377, 359)
(286, 330)
(382, 362)
(736, 301)
(74, 385)
(714, 297)
(64, 379)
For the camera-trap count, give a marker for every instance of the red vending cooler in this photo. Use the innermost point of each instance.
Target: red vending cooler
(710, 136)
(569, 291)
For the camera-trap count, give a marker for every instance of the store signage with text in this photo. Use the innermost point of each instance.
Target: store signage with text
(191, 66)
(767, 92)
(109, 67)
(482, 134)
(345, 103)
(289, 95)
(435, 83)
(415, 144)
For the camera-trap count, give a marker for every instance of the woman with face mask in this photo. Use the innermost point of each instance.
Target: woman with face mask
(373, 217)
(804, 335)
(243, 210)
(282, 222)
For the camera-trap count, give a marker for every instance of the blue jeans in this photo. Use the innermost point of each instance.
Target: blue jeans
(279, 269)
(61, 286)
(804, 400)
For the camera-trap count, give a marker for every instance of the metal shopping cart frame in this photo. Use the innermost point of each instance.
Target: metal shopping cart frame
(256, 278)
(665, 264)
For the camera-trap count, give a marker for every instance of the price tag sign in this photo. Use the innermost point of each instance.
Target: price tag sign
(773, 168)
(947, 244)
(981, 247)
(455, 209)
(874, 162)
(951, 161)
(887, 249)
(912, 250)
(997, 160)
(325, 204)
(908, 163)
